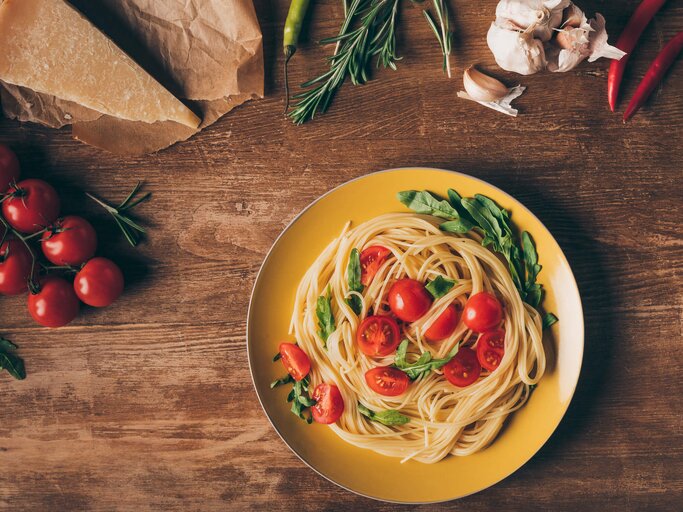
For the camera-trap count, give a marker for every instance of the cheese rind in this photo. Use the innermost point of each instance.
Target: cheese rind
(51, 48)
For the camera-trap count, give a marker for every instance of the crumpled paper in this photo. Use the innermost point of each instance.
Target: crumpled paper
(208, 53)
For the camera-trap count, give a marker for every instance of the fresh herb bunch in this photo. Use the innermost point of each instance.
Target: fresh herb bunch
(10, 361)
(368, 30)
(131, 229)
(463, 214)
(442, 32)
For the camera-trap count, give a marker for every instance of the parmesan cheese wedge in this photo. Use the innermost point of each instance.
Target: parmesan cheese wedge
(51, 48)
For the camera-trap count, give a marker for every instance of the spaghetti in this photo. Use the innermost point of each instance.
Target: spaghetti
(443, 419)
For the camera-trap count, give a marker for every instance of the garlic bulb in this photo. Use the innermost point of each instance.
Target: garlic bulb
(515, 51)
(489, 92)
(543, 15)
(531, 35)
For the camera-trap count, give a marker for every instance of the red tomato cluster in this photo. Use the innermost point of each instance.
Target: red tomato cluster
(30, 209)
(409, 300)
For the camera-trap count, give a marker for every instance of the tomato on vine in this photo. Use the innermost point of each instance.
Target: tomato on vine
(69, 241)
(99, 282)
(31, 206)
(53, 303)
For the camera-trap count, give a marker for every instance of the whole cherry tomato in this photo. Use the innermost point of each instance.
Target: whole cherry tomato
(99, 282)
(33, 205)
(409, 300)
(55, 304)
(9, 168)
(444, 325)
(483, 312)
(15, 267)
(69, 241)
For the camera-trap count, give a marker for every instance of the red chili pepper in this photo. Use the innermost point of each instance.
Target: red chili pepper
(627, 42)
(654, 75)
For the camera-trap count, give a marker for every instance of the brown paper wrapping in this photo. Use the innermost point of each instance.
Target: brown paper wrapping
(206, 52)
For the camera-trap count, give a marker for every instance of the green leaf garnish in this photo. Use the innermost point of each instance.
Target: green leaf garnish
(10, 361)
(425, 203)
(424, 364)
(325, 319)
(353, 275)
(440, 286)
(549, 319)
(389, 417)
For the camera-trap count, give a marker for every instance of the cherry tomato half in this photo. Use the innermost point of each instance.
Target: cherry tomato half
(387, 380)
(483, 312)
(444, 325)
(34, 204)
(99, 282)
(15, 267)
(463, 369)
(295, 360)
(409, 300)
(69, 241)
(329, 403)
(378, 336)
(55, 305)
(9, 168)
(371, 260)
(491, 349)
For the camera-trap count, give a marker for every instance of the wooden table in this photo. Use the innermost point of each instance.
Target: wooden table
(149, 404)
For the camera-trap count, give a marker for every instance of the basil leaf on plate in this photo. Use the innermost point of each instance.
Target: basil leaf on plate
(389, 417)
(325, 319)
(353, 275)
(440, 286)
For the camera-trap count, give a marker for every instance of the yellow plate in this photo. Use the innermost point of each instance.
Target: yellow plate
(363, 471)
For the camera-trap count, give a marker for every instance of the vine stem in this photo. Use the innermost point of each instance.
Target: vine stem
(9, 229)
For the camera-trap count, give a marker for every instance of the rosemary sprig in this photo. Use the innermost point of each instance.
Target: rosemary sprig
(442, 32)
(131, 229)
(374, 35)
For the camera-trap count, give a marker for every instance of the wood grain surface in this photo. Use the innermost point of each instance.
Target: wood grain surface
(148, 405)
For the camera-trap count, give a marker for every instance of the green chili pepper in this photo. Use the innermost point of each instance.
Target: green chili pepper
(293, 24)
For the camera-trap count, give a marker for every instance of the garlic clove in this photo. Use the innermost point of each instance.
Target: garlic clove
(482, 87)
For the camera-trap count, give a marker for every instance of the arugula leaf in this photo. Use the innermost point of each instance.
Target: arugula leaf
(353, 275)
(456, 226)
(301, 400)
(424, 364)
(282, 381)
(389, 417)
(277, 357)
(549, 319)
(532, 290)
(440, 286)
(425, 203)
(10, 361)
(325, 319)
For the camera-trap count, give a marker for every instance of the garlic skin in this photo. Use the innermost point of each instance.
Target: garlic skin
(481, 87)
(543, 15)
(489, 92)
(529, 36)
